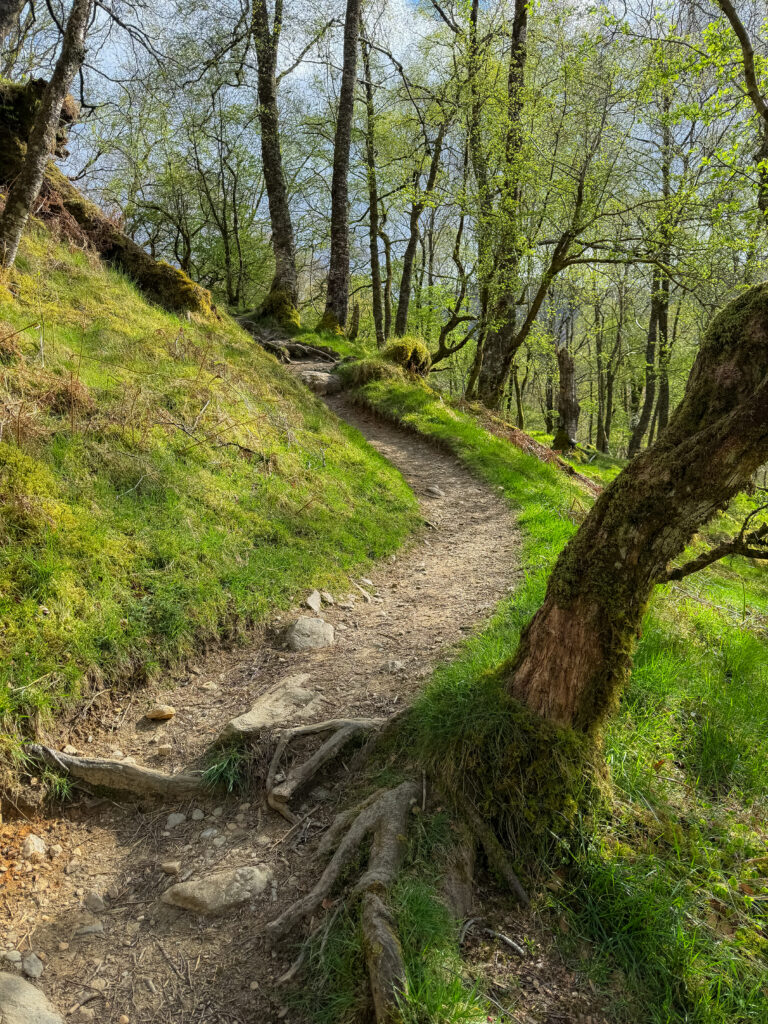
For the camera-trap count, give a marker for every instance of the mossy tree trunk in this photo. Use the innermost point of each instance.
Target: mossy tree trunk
(337, 294)
(575, 653)
(373, 196)
(568, 408)
(9, 16)
(42, 139)
(283, 297)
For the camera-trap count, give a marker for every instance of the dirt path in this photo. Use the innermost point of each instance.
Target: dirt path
(91, 910)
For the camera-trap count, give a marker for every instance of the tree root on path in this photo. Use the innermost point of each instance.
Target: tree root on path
(383, 816)
(118, 774)
(343, 731)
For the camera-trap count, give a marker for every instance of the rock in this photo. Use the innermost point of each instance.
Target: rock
(177, 818)
(220, 891)
(171, 867)
(164, 749)
(366, 596)
(211, 687)
(288, 701)
(55, 851)
(314, 601)
(434, 491)
(160, 712)
(197, 814)
(309, 634)
(63, 947)
(326, 598)
(117, 754)
(392, 666)
(95, 903)
(322, 383)
(11, 956)
(217, 812)
(86, 1013)
(92, 928)
(209, 833)
(366, 582)
(32, 966)
(33, 848)
(22, 1003)
(74, 865)
(69, 749)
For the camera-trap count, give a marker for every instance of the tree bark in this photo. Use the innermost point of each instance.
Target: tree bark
(575, 653)
(337, 296)
(373, 198)
(42, 140)
(387, 281)
(650, 371)
(283, 297)
(9, 15)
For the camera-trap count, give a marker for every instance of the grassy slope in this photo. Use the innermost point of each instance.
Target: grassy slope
(664, 904)
(161, 481)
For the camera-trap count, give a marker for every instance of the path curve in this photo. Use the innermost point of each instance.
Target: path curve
(154, 963)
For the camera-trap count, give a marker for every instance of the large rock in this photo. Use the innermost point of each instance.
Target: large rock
(286, 703)
(322, 383)
(22, 1003)
(220, 891)
(308, 634)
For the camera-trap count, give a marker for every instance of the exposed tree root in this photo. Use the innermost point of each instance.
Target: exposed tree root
(343, 731)
(494, 851)
(118, 774)
(384, 817)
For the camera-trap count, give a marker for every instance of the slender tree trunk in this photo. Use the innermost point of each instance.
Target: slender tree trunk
(417, 208)
(601, 440)
(520, 419)
(337, 296)
(502, 342)
(373, 198)
(283, 297)
(650, 371)
(575, 653)
(549, 403)
(387, 282)
(9, 15)
(568, 408)
(662, 404)
(26, 188)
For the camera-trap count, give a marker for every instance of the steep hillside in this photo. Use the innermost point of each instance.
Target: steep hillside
(161, 480)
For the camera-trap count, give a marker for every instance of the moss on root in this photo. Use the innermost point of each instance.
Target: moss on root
(280, 308)
(359, 372)
(330, 325)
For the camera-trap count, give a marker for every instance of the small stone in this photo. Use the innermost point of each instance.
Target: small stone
(314, 601)
(33, 848)
(366, 582)
(171, 867)
(118, 755)
(392, 666)
(122, 1019)
(219, 891)
(326, 597)
(254, 986)
(177, 818)
(209, 833)
(13, 956)
(69, 749)
(164, 749)
(95, 903)
(342, 627)
(217, 812)
(160, 712)
(86, 1013)
(434, 491)
(210, 686)
(55, 851)
(307, 634)
(32, 966)
(63, 947)
(197, 814)
(73, 866)
(219, 841)
(98, 984)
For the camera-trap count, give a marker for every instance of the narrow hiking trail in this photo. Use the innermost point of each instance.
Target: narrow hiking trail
(89, 906)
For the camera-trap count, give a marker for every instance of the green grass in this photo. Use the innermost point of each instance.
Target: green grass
(666, 900)
(163, 482)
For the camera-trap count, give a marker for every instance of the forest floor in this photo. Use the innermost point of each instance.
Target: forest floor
(90, 909)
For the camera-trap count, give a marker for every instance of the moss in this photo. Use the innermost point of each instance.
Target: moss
(279, 306)
(18, 105)
(330, 325)
(359, 372)
(409, 352)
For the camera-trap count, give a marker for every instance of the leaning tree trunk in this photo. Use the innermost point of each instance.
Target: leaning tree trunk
(42, 139)
(575, 653)
(283, 298)
(568, 408)
(337, 297)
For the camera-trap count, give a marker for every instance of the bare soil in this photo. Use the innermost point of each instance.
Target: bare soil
(154, 963)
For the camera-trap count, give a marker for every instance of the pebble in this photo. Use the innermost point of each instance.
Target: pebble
(118, 754)
(197, 814)
(70, 750)
(33, 848)
(177, 818)
(326, 597)
(164, 749)
(95, 902)
(434, 491)
(217, 812)
(122, 1019)
(95, 928)
(171, 867)
(55, 851)
(13, 956)
(219, 840)
(63, 947)
(160, 712)
(209, 833)
(32, 966)
(314, 601)
(86, 1013)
